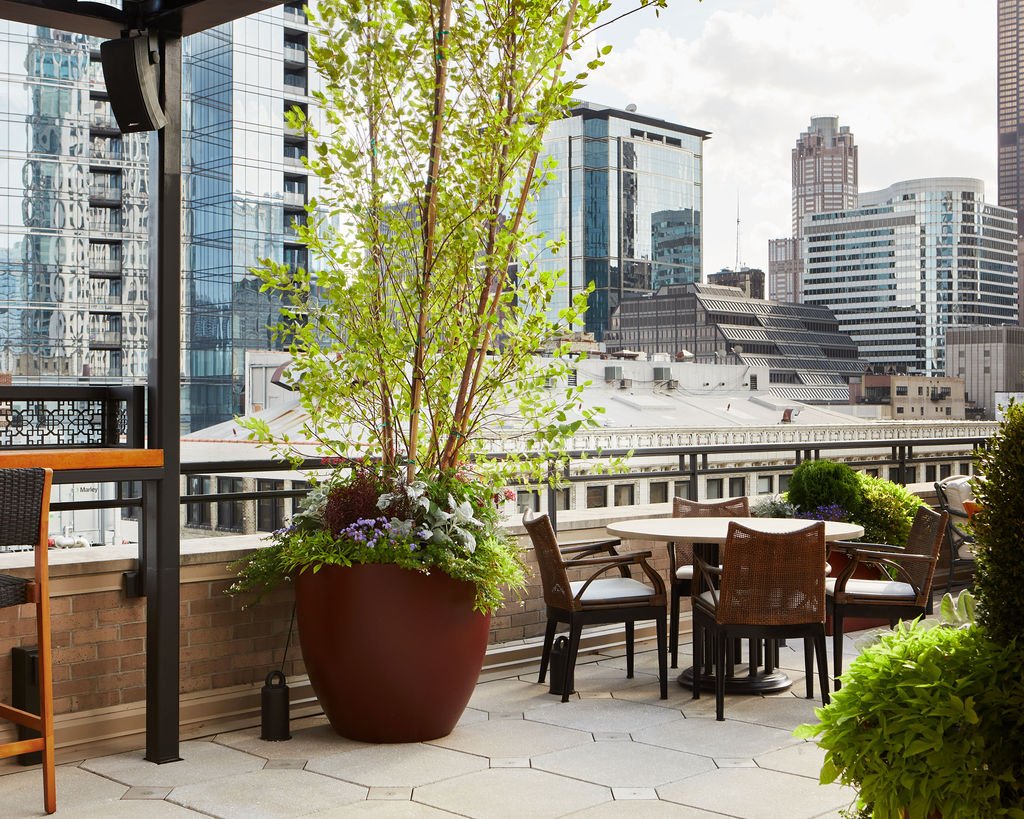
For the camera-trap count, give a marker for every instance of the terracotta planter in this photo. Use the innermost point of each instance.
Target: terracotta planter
(393, 655)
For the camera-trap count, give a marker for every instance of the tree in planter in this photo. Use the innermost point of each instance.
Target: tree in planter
(413, 343)
(998, 543)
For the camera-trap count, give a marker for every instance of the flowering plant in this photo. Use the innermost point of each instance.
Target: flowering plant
(365, 514)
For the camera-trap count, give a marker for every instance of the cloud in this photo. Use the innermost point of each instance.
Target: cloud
(913, 79)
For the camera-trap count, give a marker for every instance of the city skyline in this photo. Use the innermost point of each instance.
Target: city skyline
(914, 80)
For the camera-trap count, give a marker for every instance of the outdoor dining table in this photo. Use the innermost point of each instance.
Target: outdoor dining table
(704, 532)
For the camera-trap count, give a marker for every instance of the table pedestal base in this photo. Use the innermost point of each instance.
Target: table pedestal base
(760, 682)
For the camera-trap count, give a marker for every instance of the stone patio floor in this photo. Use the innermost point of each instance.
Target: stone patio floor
(614, 749)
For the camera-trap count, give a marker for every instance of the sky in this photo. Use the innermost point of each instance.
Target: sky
(915, 80)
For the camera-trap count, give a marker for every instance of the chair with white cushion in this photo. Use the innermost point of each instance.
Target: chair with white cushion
(906, 596)
(680, 555)
(596, 599)
(951, 493)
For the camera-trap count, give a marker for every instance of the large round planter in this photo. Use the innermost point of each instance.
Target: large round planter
(392, 654)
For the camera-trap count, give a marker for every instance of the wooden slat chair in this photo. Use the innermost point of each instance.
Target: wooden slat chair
(903, 598)
(596, 599)
(24, 518)
(680, 555)
(771, 587)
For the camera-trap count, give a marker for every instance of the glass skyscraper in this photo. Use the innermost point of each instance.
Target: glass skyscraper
(627, 197)
(74, 217)
(910, 261)
(75, 212)
(1010, 87)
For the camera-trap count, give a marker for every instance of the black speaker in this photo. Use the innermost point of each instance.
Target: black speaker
(132, 72)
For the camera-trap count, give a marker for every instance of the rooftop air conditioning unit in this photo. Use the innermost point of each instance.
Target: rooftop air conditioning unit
(612, 373)
(662, 373)
(625, 383)
(672, 384)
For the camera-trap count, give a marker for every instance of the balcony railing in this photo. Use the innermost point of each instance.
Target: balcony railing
(105, 340)
(295, 54)
(58, 417)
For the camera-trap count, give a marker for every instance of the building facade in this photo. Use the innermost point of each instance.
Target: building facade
(824, 175)
(903, 397)
(910, 261)
(748, 279)
(807, 357)
(990, 360)
(627, 197)
(1010, 90)
(74, 217)
(245, 188)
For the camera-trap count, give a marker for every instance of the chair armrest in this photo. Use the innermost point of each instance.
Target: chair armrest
(850, 546)
(576, 550)
(891, 557)
(620, 561)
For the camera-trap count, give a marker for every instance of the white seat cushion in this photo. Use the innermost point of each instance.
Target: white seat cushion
(890, 589)
(611, 588)
(685, 572)
(966, 551)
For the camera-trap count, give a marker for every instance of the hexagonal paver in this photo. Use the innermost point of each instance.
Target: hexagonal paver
(306, 743)
(780, 711)
(266, 794)
(754, 793)
(511, 738)
(640, 809)
(708, 737)
(603, 715)
(509, 695)
(21, 793)
(133, 809)
(200, 761)
(513, 793)
(623, 764)
(385, 810)
(804, 759)
(397, 766)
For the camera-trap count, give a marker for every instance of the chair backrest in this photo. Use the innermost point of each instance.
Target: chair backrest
(730, 508)
(553, 576)
(773, 579)
(927, 533)
(953, 491)
(24, 506)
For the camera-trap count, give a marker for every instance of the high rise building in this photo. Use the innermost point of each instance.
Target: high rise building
(824, 175)
(910, 261)
(245, 188)
(75, 218)
(1010, 37)
(628, 198)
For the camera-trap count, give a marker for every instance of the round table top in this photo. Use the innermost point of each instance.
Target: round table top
(715, 530)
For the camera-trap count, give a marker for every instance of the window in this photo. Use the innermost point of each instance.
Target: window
(296, 502)
(528, 499)
(597, 496)
(682, 489)
(198, 514)
(894, 474)
(901, 389)
(945, 470)
(624, 494)
(659, 492)
(737, 487)
(765, 485)
(949, 410)
(753, 383)
(929, 473)
(784, 483)
(715, 487)
(229, 512)
(965, 469)
(562, 502)
(899, 410)
(269, 511)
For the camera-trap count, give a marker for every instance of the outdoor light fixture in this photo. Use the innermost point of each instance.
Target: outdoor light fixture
(131, 70)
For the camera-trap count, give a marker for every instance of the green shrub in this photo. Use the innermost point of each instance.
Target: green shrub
(998, 536)
(929, 719)
(887, 510)
(823, 483)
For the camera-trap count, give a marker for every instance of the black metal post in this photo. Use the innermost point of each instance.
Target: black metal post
(161, 546)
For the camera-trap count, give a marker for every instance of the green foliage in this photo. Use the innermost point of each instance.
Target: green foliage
(929, 719)
(999, 530)
(773, 506)
(886, 510)
(451, 524)
(822, 483)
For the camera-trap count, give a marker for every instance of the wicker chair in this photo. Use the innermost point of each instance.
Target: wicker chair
(906, 597)
(597, 599)
(772, 586)
(24, 516)
(959, 542)
(680, 556)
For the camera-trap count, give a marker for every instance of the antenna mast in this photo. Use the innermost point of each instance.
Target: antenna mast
(737, 268)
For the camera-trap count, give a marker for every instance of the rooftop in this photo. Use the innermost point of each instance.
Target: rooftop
(517, 752)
